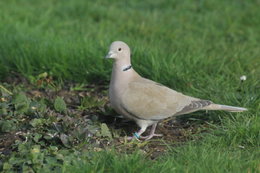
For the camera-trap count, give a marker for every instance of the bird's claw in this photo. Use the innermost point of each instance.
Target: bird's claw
(130, 138)
(150, 136)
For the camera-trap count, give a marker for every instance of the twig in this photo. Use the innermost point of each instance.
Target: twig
(6, 90)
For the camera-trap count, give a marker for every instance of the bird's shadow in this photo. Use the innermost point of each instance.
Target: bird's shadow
(171, 125)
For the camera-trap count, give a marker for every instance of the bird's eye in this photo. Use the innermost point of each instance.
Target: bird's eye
(119, 49)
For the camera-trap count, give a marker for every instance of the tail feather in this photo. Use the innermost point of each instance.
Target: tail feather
(225, 108)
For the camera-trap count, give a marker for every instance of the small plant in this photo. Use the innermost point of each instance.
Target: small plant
(88, 102)
(60, 105)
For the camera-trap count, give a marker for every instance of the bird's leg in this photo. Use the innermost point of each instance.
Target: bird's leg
(152, 134)
(138, 134)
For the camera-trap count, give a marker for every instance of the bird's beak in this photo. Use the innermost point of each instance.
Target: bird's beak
(110, 54)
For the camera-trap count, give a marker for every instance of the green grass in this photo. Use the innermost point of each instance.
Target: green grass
(234, 147)
(200, 48)
(188, 159)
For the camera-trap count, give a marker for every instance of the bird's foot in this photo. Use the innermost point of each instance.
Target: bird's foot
(138, 135)
(150, 136)
(135, 136)
(130, 138)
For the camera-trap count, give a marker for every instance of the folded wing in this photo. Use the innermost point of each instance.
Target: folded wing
(146, 99)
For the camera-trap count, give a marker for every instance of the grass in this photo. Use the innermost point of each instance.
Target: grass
(189, 159)
(235, 149)
(200, 48)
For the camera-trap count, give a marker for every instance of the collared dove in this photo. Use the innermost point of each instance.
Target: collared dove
(145, 101)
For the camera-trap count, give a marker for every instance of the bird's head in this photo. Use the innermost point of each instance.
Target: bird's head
(119, 50)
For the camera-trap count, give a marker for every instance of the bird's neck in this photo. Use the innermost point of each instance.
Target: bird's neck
(122, 73)
(123, 67)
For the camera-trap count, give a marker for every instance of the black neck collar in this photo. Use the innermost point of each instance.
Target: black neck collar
(127, 68)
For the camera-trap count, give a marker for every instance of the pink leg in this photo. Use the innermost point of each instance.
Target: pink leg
(152, 134)
(138, 134)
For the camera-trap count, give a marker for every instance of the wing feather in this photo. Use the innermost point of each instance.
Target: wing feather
(149, 100)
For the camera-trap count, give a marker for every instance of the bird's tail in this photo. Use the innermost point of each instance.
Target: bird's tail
(225, 108)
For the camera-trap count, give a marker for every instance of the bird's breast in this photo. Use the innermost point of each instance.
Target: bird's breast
(115, 95)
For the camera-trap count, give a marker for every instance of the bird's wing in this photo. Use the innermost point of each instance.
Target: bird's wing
(194, 106)
(148, 100)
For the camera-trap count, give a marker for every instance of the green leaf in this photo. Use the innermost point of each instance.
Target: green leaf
(7, 125)
(105, 132)
(7, 166)
(60, 105)
(37, 156)
(37, 107)
(21, 103)
(37, 122)
(36, 137)
(3, 108)
(35, 149)
(42, 75)
(91, 102)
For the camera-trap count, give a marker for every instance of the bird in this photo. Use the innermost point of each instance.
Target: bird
(145, 101)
